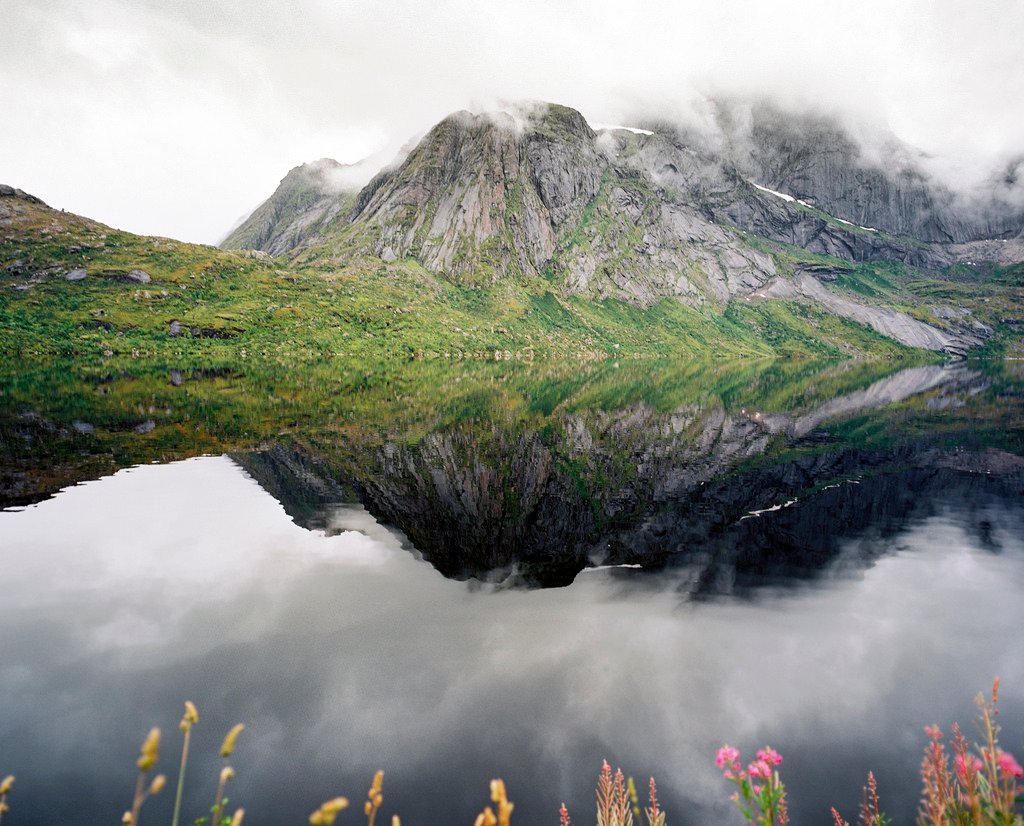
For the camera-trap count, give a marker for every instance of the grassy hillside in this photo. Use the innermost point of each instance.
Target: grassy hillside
(208, 306)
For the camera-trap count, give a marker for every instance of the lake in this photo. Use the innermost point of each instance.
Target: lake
(459, 572)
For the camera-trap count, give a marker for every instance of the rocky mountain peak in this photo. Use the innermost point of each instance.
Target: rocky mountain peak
(534, 192)
(311, 199)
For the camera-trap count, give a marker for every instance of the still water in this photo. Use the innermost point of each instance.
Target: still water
(841, 599)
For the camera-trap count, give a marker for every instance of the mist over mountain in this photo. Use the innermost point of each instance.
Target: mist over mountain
(866, 177)
(639, 214)
(207, 97)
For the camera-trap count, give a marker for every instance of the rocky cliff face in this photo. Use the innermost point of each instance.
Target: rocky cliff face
(638, 217)
(311, 200)
(886, 185)
(488, 197)
(464, 204)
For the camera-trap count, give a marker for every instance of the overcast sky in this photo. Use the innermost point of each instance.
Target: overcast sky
(177, 117)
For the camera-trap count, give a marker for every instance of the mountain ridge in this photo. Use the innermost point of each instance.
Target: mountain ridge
(537, 194)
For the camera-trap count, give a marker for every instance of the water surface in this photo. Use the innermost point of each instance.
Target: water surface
(445, 597)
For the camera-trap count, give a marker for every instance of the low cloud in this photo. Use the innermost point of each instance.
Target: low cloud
(173, 118)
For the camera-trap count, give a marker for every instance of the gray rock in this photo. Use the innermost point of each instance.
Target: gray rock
(175, 329)
(139, 276)
(641, 217)
(816, 159)
(83, 427)
(949, 313)
(147, 426)
(176, 377)
(312, 200)
(888, 322)
(77, 274)
(10, 192)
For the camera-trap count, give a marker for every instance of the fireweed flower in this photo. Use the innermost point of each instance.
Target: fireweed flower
(727, 754)
(968, 766)
(760, 795)
(1008, 765)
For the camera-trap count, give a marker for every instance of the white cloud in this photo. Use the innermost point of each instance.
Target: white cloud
(175, 117)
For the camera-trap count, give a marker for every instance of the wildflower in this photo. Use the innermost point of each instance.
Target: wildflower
(226, 774)
(377, 785)
(563, 815)
(499, 796)
(229, 741)
(762, 803)
(190, 718)
(374, 798)
(967, 766)
(237, 819)
(486, 818)
(5, 786)
(726, 754)
(934, 732)
(150, 750)
(654, 800)
(158, 784)
(326, 814)
(1008, 765)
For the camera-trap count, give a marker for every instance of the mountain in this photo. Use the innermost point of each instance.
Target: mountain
(771, 209)
(520, 234)
(872, 180)
(308, 202)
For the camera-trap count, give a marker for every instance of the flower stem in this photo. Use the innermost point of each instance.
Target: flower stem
(181, 778)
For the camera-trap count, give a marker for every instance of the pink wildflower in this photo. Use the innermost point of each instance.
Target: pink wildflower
(769, 755)
(760, 768)
(653, 812)
(757, 790)
(726, 754)
(964, 768)
(1009, 766)
(933, 731)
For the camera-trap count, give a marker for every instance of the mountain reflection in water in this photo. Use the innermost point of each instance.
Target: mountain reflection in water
(872, 524)
(637, 486)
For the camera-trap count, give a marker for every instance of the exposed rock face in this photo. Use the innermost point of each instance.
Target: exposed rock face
(888, 322)
(11, 192)
(814, 158)
(484, 197)
(484, 194)
(463, 203)
(641, 217)
(310, 199)
(730, 196)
